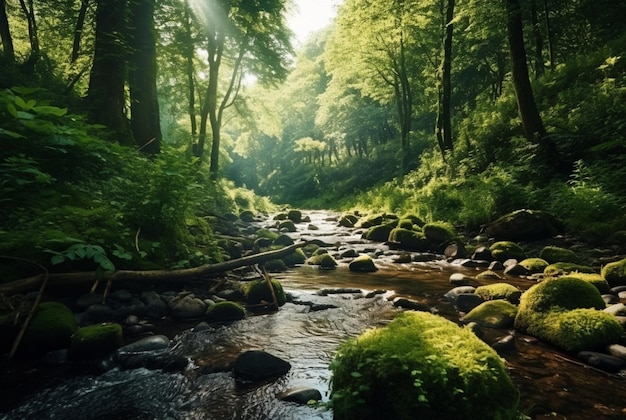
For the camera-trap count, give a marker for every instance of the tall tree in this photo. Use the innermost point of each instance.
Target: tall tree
(33, 36)
(529, 113)
(444, 108)
(142, 74)
(243, 37)
(78, 30)
(5, 32)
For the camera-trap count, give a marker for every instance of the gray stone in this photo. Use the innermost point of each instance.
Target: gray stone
(602, 361)
(410, 304)
(258, 366)
(617, 350)
(618, 309)
(452, 294)
(300, 395)
(121, 295)
(187, 307)
(85, 301)
(460, 279)
(465, 302)
(152, 343)
(516, 270)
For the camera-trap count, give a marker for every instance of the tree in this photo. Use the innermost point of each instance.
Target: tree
(444, 108)
(242, 37)
(142, 71)
(5, 32)
(33, 36)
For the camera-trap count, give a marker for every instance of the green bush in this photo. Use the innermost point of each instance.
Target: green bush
(95, 341)
(420, 366)
(225, 311)
(259, 292)
(504, 250)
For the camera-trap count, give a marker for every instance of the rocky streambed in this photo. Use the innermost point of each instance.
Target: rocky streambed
(180, 366)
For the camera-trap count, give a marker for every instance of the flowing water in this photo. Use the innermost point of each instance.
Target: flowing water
(551, 384)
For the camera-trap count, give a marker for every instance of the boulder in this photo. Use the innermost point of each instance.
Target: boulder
(348, 220)
(380, 233)
(455, 250)
(602, 361)
(363, 263)
(615, 273)
(95, 341)
(482, 253)
(295, 216)
(408, 239)
(301, 395)
(259, 366)
(152, 343)
(493, 314)
(287, 226)
(411, 304)
(465, 302)
(523, 225)
(187, 307)
(561, 268)
(505, 250)
(325, 261)
(439, 233)
(534, 265)
(596, 279)
(246, 216)
(258, 292)
(554, 254)
(460, 279)
(499, 291)
(488, 275)
(225, 311)
(295, 258)
(50, 328)
(452, 294)
(420, 366)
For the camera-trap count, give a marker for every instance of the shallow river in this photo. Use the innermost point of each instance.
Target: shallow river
(552, 385)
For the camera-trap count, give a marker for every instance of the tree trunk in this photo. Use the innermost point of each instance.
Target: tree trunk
(78, 30)
(539, 66)
(69, 279)
(106, 95)
(144, 105)
(33, 37)
(5, 32)
(189, 55)
(534, 130)
(546, 11)
(447, 78)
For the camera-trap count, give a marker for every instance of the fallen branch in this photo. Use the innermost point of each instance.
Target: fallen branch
(69, 279)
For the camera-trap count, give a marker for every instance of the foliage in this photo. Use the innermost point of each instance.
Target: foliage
(420, 365)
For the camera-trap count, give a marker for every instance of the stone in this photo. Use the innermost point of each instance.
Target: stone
(225, 311)
(95, 341)
(482, 253)
(602, 361)
(349, 253)
(51, 328)
(617, 350)
(505, 344)
(411, 304)
(302, 395)
(516, 270)
(363, 263)
(452, 294)
(121, 295)
(460, 279)
(555, 254)
(465, 302)
(259, 366)
(615, 273)
(505, 250)
(619, 309)
(456, 250)
(493, 314)
(86, 300)
(152, 343)
(523, 225)
(187, 307)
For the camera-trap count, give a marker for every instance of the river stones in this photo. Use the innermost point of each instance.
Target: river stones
(602, 361)
(187, 306)
(301, 395)
(363, 263)
(493, 314)
(465, 302)
(460, 279)
(155, 342)
(410, 304)
(452, 294)
(259, 366)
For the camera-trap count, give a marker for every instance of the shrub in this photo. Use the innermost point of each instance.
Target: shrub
(420, 366)
(504, 250)
(95, 340)
(225, 311)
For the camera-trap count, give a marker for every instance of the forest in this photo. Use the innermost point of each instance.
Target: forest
(134, 131)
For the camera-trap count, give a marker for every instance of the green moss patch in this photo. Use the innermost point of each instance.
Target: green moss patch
(363, 263)
(95, 341)
(420, 366)
(295, 258)
(439, 232)
(409, 239)
(596, 279)
(534, 265)
(562, 268)
(275, 266)
(380, 233)
(323, 260)
(493, 314)
(266, 233)
(51, 328)
(225, 311)
(506, 250)
(499, 291)
(615, 273)
(258, 292)
(555, 254)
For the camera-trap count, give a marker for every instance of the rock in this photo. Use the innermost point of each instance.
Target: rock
(562, 268)
(465, 302)
(488, 275)
(493, 314)
(403, 258)
(411, 304)
(325, 261)
(602, 361)
(617, 350)
(258, 292)
(348, 220)
(523, 225)
(311, 226)
(425, 257)
(363, 263)
(496, 266)
(452, 294)
(51, 328)
(283, 240)
(225, 311)
(349, 253)
(555, 254)
(456, 250)
(610, 299)
(619, 309)
(615, 273)
(152, 343)
(121, 295)
(534, 265)
(95, 341)
(460, 279)
(295, 216)
(380, 233)
(86, 300)
(300, 395)
(499, 291)
(516, 270)
(259, 366)
(505, 250)
(482, 253)
(187, 307)
(505, 344)
(408, 239)
(246, 216)
(438, 233)
(287, 226)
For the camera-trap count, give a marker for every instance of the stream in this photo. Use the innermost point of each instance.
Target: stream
(552, 385)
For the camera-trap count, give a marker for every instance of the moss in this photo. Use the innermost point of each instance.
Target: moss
(275, 266)
(416, 220)
(493, 314)
(376, 219)
(420, 366)
(51, 328)
(562, 293)
(295, 258)
(439, 232)
(348, 220)
(561, 268)
(363, 263)
(405, 224)
(225, 311)
(95, 341)
(505, 250)
(409, 239)
(287, 225)
(578, 329)
(615, 273)
(266, 233)
(534, 265)
(323, 260)
(258, 292)
(488, 275)
(555, 254)
(246, 216)
(596, 279)
(380, 233)
(310, 249)
(499, 291)
(294, 215)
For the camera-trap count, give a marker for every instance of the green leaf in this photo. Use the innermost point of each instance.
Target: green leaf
(12, 110)
(107, 265)
(356, 374)
(57, 259)
(50, 110)
(11, 134)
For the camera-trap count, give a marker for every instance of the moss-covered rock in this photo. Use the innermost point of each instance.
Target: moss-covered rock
(282, 240)
(266, 233)
(596, 279)
(50, 328)
(405, 224)
(95, 341)
(409, 239)
(287, 225)
(493, 314)
(523, 225)
(420, 366)
(380, 233)
(488, 275)
(233, 249)
(505, 250)
(225, 311)
(438, 233)
(363, 263)
(275, 265)
(578, 329)
(416, 220)
(295, 258)
(563, 268)
(555, 254)
(246, 216)
(323, 260)
(615, 273)
(376, 219)
(534, 265)
(258, 292)
(499, 291)
(294, 215)
(348, 220)
(558, 294)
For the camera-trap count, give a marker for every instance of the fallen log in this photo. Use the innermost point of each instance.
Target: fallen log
(68, 279)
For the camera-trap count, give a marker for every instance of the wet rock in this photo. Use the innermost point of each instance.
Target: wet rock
(312, 227)
(259, 366)
(602, 361)
(410, 304)
(460, 279)
(364, 263)
(505, 344)
(403, 258)
(455, 250)
(156, 308)
(516, 270)
(465, 302)
(155, 342)
(121, 295)
(493, 314)
(99, 313)
(452, 294)
(619, 309)
(488, 275)
(496, 266)
(470, 263)
(349, 253)
(425, 257)
(283, 240)
(617, 350)
(187, 307)
(340, 291)
(482, 253)
(300, 395)
(316, 307)
(523, 224)
(610, 299)
(85, 301)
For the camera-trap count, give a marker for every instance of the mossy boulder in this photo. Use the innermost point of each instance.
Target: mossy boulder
(225, 311)
(246, 216)
(416, 220)
(95, 341)
(563, 268)
(557, 294)
(420, 366)
(488, 275)
(505, 250)
(380, 233)
(615, 273)
(283, 240)
(405, 224)
(555, 254)
(439, 233)
(233, 249)
(578, 329)
(534, 265)
(295, 258)
(523, 225)
(499, 291)
(409, 239)
(267, 234)
(493, 314)
(363, 263)
(377, 219)
(596, 279)
(295, 216)
(323, 260)
(258, 292)
(287, 226)
(50, 328)
(348, 220)
(275, 265)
